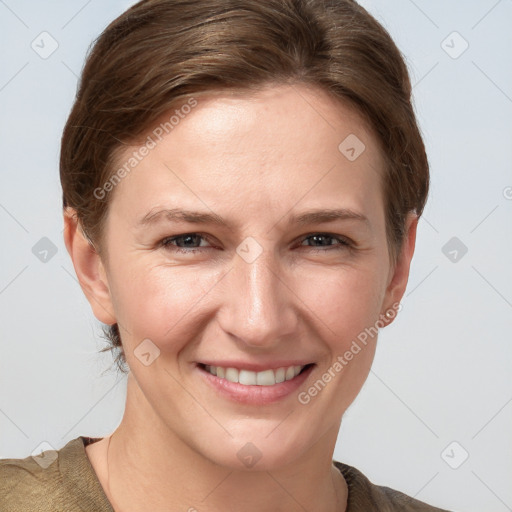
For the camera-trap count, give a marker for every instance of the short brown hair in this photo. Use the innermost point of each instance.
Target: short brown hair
(159, 53)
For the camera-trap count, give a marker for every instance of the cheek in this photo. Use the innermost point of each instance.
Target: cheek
(173, 305)
(345, 300)
(161, 303)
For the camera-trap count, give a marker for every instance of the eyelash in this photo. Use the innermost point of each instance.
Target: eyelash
(344, 243)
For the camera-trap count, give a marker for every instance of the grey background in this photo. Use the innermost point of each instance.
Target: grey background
(442, 372)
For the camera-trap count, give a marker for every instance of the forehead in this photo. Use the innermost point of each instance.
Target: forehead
(279, 117)
(270, 149)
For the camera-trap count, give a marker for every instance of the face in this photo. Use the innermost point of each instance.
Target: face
(278, 267)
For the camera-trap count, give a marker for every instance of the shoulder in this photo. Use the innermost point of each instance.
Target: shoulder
(53, 480)
(25, 482)
(363, 495)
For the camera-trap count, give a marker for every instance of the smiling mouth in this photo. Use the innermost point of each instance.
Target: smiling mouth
(269, 377)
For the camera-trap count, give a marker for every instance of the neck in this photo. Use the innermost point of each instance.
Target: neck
(149, 467)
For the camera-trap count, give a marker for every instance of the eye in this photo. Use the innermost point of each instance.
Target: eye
(188, 240)
(339, 242)
(190, 243)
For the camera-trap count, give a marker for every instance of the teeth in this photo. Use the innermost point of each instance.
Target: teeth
(248, 378)
(290, 373)
(280, 375)
(211, 369)
(232, 374)
(266, 378)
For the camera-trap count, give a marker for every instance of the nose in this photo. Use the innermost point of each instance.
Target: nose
(258, 305)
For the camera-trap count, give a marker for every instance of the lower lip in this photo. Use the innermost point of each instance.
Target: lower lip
(255, 395)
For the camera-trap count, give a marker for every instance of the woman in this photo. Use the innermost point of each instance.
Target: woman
(242, 183)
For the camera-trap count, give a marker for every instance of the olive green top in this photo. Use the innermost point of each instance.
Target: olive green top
(64, 480)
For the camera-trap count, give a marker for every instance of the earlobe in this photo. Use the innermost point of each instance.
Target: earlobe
(398, 283)
(89, 268)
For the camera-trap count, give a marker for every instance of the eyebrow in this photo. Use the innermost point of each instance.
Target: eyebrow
(313, 216)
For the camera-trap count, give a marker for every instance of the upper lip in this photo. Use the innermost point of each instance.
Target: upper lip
(255, 367)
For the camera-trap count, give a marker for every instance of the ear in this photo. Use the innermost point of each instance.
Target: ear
(89, 268)
(399, 275)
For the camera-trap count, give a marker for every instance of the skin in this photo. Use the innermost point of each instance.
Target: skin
(254, 160)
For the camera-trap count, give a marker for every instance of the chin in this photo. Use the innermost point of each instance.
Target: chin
(249, 452)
